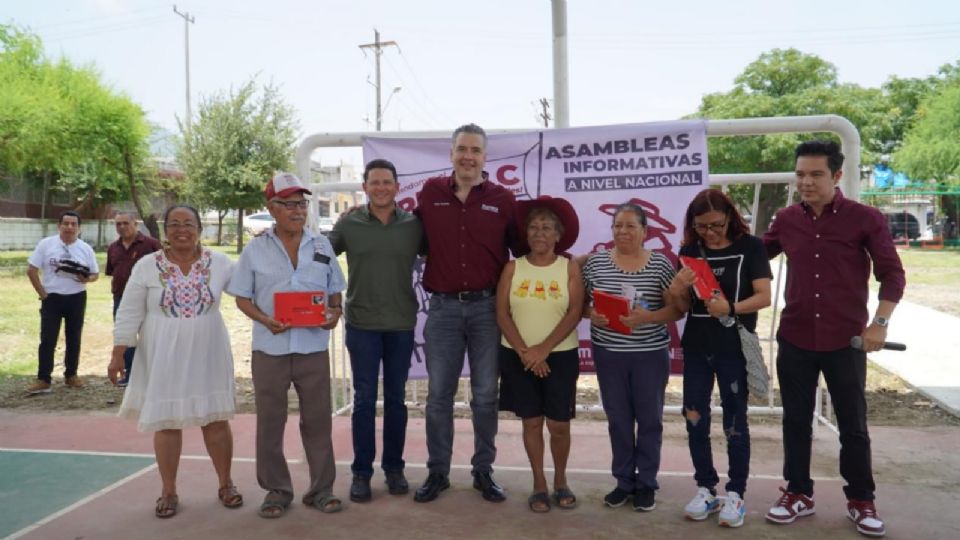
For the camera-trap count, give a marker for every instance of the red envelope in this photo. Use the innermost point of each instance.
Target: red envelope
(706, 285)
(300, 308)
(612, 307)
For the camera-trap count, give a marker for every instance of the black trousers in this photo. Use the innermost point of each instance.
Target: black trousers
(845, 371)
(55, 308)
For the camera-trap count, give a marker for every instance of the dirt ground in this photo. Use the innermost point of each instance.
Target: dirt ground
(890, 400)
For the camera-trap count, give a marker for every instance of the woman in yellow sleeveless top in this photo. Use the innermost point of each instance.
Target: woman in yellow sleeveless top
(539, 303)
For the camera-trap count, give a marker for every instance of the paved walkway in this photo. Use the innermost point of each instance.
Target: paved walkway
(931, 362)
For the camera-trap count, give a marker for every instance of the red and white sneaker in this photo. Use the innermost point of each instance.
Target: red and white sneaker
(789, 507)
(864, 514)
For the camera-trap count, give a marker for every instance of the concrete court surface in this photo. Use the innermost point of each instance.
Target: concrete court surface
(101, 474)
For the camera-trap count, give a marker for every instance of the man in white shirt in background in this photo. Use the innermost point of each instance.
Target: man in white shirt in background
(67, 264)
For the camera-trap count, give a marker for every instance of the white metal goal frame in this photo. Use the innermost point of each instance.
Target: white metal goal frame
(850, 183)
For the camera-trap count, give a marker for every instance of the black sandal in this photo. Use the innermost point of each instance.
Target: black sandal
(539, 498)
(564, 494)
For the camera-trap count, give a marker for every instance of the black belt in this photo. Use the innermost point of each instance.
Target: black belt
(467, 296)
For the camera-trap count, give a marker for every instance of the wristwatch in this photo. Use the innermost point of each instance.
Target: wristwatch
(881, 321)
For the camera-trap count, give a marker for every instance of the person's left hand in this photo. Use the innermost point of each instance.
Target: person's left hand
(535, 359)
(717, 306)
(333, 317)
(874, 337)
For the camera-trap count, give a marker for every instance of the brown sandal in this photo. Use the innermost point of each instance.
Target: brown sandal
(166, 506)
(230, 497)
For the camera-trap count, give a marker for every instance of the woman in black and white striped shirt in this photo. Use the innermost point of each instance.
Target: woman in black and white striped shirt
(632, 369)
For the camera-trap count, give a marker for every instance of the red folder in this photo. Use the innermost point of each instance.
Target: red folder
(706, 286)
(300, 308)
(612, 306)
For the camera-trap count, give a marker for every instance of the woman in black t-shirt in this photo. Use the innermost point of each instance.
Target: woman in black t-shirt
(715, 231)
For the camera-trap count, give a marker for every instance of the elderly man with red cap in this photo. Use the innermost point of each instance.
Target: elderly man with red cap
(289, 258)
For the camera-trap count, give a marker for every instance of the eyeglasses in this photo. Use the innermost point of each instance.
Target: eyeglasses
(290, 205)
(177, 225)
(704, 227)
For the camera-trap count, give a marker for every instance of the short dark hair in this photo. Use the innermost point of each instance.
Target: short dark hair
(544, 212)
(69, 213)
(828, 149)
(470, 128)
(166, 215)
(709, 200)
(631, 207)
(379, 164)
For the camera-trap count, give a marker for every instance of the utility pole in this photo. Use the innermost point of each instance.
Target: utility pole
(545, 115)
(187, 21)
(378, 47)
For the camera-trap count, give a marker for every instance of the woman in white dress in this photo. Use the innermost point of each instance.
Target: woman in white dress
(171, 312)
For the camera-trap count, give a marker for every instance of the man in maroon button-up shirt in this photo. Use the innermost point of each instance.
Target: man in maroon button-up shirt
(469, 224)
(830, 242)
(129, 248)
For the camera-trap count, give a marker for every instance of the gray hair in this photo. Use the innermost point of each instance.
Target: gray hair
(472, 129)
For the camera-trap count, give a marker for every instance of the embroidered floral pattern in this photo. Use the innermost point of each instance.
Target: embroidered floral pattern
(185, 296)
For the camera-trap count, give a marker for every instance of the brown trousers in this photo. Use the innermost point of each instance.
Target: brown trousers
(310, 375)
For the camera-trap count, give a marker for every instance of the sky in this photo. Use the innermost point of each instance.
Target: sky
(484, 62)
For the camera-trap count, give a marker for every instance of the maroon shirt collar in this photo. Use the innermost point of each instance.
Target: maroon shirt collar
(452, 183)
(838, 203)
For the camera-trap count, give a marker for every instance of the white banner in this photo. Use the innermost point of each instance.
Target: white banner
(659, 166)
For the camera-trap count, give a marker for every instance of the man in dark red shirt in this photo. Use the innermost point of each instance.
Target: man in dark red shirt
(469, 224)
(121, 256)
(829, 242)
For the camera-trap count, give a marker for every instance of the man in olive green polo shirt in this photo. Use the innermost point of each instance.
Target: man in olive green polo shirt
(382, 242)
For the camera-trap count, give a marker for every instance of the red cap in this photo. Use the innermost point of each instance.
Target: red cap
(284, 185)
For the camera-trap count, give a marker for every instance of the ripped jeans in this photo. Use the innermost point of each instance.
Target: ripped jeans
(699, 370)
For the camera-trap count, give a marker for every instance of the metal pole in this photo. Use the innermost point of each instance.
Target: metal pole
(187, 20)
(561, 80)
(376, 41)
(378, 47)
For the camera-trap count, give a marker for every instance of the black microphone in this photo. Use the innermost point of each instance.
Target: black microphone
(857, 343)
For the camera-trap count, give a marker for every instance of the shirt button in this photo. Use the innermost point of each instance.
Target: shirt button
(816, 295)
(818, 236)
(818, 315)
(464, 265)
(817, 276)
(816, 255)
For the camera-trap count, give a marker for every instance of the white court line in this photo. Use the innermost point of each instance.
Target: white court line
(681, 474)
(81, 502)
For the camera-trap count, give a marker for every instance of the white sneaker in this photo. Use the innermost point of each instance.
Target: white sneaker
(733, 510)
(702, 505)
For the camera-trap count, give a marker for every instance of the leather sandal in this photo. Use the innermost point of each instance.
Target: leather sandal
(564, 498)
(229, 496)
(166, 506)
(539, 502)
(328, 504)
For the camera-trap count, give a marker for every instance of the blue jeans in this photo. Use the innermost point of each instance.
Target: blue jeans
(632, 388)
(452, 329)
(127, 354)
(367, 349)
(731, 374)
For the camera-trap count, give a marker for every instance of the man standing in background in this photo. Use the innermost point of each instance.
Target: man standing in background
(121, 256)
(68, 264)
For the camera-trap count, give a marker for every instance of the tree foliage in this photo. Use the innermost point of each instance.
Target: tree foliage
(61, 123)
(789, 83)
(931, 149)
(237, 142)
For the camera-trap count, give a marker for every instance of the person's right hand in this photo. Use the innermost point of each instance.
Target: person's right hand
(598, 319)
(116, 367)
(276, 326)
(684, 279)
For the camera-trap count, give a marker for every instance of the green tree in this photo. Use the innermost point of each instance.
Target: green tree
(237, 142)
(62, 126)
(788, 83)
